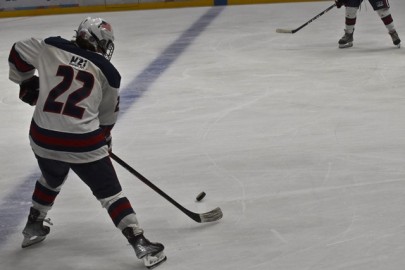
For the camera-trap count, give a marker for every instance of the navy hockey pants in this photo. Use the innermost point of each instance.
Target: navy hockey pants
(99, 175)
(376, 4)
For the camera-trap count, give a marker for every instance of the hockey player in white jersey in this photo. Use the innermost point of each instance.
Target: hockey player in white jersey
(76, 103)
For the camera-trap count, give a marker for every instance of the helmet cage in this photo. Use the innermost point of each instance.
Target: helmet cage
(106, 46)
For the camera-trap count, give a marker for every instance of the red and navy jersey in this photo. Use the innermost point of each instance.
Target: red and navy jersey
(78, 98)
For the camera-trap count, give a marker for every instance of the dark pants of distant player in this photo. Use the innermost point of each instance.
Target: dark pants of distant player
(376, 4)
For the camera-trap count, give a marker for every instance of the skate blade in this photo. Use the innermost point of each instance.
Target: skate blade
(29, 241)
(347, 45)
(152, 261)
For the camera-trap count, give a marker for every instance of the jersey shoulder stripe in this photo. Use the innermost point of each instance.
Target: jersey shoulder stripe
(109, 71)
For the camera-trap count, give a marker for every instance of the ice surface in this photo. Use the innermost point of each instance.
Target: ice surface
(300, 143)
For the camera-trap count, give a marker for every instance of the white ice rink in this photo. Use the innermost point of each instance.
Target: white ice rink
(300, 143)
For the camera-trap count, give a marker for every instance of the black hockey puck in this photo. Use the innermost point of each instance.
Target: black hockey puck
(200, 196)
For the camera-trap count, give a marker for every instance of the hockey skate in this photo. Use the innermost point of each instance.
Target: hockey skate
(346, 41)
(35, 231)
(395, 38)
(151, 253)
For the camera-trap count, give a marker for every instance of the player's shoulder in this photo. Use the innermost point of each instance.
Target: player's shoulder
(31, 41)
(106, 67)
(57, 41)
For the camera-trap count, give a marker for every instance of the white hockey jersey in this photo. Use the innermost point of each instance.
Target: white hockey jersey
(78, 98)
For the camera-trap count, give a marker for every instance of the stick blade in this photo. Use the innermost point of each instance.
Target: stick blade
(284, 31)
(213, 215)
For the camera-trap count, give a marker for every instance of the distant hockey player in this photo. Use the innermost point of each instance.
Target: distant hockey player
(382, 7)
(76, 105)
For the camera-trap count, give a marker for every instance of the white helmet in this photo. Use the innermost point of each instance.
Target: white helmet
(99, 34)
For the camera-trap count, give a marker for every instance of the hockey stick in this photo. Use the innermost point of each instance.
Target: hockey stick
(210, 216)
(292, 31)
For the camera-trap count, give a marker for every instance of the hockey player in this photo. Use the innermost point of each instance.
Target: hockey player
(382, 7)
(76, 105)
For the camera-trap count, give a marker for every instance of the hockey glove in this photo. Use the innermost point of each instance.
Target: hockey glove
(29, 90)
(106, 130)
(339, 3)
(108, 140)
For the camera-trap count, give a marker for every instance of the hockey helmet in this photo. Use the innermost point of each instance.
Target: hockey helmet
(99, 34)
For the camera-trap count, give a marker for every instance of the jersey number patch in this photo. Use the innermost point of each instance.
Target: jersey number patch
(69, 107)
